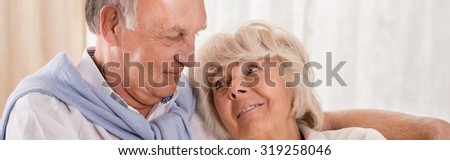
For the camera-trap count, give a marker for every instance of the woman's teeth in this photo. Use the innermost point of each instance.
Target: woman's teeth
(248, 109)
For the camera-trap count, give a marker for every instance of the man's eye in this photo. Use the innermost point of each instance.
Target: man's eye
(175, 38)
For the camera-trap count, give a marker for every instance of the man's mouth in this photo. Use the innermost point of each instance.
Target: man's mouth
(174, 73)
(171, 73)
(249, 108)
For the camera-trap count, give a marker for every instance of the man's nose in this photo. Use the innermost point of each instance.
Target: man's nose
(186, 55)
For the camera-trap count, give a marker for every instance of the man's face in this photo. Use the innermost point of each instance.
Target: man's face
(155, 54)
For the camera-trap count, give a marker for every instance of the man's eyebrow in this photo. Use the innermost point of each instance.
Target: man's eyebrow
(178, 29)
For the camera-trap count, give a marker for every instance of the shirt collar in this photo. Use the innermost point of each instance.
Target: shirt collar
(91, 73)
(310, 134)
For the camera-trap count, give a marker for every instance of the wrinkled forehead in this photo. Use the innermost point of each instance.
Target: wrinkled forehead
(214, 68)
(161, 15)
(221, 60)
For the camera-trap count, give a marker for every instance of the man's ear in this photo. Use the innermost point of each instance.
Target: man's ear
(109, 19)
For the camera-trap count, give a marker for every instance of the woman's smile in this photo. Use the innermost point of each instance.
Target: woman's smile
(247, 108)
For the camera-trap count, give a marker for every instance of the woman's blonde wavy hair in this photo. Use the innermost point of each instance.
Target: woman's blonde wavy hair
(250, 42)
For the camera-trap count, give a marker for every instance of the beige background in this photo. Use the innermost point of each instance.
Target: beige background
(32, 32)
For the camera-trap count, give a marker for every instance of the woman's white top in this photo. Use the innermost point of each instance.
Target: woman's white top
(353, 133)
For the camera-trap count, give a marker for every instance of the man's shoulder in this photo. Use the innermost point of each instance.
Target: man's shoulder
(37, 116)
(41, 108)
(35, 101)
(40, 116)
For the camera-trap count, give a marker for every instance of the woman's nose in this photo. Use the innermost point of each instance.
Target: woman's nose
(237, 93)
(237, 90)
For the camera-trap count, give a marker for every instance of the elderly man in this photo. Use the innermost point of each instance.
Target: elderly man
(142, 47)
(126, 87)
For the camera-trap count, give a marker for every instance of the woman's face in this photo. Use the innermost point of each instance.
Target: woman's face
(253, 102)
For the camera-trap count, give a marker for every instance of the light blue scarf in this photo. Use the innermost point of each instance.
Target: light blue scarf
(60, 79)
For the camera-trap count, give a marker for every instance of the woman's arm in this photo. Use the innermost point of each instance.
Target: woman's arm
(392, 125)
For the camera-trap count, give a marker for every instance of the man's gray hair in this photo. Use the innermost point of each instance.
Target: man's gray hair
(93, 8)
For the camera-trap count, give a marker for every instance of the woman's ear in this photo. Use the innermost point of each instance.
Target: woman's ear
(109, 19)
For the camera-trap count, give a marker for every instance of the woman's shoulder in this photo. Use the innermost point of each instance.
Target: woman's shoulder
(353, 133)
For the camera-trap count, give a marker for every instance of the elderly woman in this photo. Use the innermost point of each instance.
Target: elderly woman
(250, 88)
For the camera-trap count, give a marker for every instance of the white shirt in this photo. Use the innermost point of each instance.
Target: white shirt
(353, 133)
(39, 116)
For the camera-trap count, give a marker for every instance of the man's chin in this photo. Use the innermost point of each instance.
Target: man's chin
(172, 78)
(165, 91)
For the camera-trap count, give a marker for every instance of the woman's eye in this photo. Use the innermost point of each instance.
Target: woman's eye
(252, 69)
(218, 84)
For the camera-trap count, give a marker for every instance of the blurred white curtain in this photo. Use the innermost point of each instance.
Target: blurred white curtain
(397, 52)
(32, 32)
